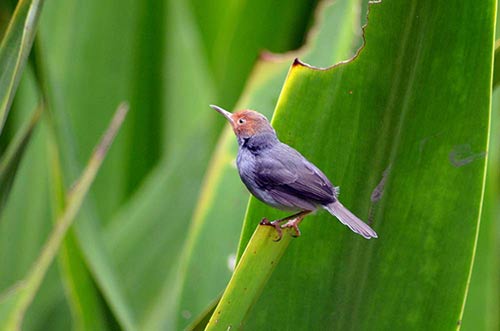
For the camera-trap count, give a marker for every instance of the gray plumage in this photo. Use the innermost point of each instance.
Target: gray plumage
(280, 176)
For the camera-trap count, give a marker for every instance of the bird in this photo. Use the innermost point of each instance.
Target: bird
(281, 177)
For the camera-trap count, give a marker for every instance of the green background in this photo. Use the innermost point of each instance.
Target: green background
(155, 240)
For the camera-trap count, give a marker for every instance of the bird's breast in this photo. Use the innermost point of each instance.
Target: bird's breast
(246, 163)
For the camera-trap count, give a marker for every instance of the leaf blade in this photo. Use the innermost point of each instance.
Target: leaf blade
(16, 301)
(9, 162)
(14, 51)
(370, 115)
(257, 263)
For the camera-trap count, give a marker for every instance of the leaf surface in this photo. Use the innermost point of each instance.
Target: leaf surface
(400, 132)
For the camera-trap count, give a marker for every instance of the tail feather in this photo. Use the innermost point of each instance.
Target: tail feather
(354, 223)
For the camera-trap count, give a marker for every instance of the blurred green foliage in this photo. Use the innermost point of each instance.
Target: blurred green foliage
(151, 245)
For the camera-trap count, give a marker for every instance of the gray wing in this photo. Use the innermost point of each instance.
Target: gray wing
(287, 172)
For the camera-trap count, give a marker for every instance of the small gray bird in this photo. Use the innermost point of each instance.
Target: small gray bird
(280, 176)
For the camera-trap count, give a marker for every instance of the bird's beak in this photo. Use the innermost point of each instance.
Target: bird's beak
(224, 113)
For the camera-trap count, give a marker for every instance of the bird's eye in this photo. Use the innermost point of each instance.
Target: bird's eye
(241, 121)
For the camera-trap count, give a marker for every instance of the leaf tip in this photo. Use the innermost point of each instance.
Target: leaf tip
(297, 62)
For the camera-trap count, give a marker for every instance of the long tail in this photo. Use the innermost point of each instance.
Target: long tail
(346, 217)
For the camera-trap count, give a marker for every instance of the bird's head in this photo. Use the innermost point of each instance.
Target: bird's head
(246, 123)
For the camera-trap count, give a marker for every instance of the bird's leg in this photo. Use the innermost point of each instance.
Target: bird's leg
(292, 222)
(295, 221)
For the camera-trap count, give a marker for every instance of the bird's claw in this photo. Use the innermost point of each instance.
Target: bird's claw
(292, 224)
(274, 224)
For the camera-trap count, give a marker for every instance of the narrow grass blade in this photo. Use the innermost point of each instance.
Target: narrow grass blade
(9, 162)
(14, 51)
(26, 220)
(89, 276)
(87, 306)
(14, 303)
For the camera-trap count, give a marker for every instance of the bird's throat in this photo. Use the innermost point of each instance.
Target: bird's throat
(258, 142)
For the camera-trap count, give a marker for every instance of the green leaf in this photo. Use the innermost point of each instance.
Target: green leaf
(201, 322)
(233, 32)
(73, 57)
(147, 87)
(161, 91)
(89, 68)
(83, 297)
(24, 230)
(262, 253)
(156, 219)
(401, 107)
(88, 309)
(483, 302)
(164, 195)
(5, 14)
(14, 303)
(222, 200)
(108, 45)
(92, 286)
(9, 162)
(496, 65)
(14, 49)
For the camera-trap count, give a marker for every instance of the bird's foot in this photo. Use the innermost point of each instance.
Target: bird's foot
(294, 224)
(275, 224)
